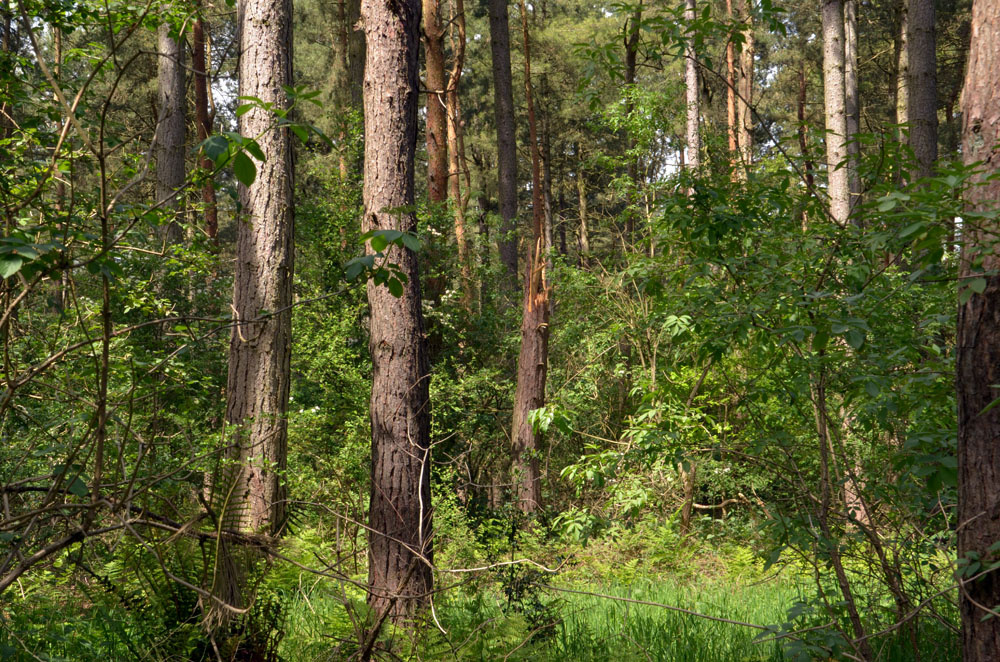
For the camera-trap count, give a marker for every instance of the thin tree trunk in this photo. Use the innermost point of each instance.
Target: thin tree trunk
(745, 87)
(583, 237)
(903, 68)
(978, 347)
(731, 94)
(691, 90)
(532, 362)
(399, 540)
(503, 90)
(631, 56)
(804, 130)
(170, 128)
(456, 166)
(852, 106)
(203, 122)
(437, 149)
(922, 108)
(836, 116)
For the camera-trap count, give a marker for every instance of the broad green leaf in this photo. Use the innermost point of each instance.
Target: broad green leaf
(10, 264)
(244, 169)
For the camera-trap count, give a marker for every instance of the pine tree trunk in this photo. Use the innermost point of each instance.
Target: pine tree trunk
(978, 347)
(923, 85)
(532, 362)
(836, 115)
(399, 540)
(260, 345)
(731, 94)
(456, 166)
(903, 68)
(583, 236)
(852, 105)
(170, 128)
(503, 90)
(203, 122)
(691, 90)
(745, 87)
(437, 149)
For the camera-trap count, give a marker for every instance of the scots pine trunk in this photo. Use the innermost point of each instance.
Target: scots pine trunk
(260, 345)
(836, 113)
(170, 127)
(399, 539)
(731, 93)
(978, 347)
(456, 152)
(533, 360)
(437, 131)
(923, 85)
(503, 94)
(852, 106)
(692, 91)
(203, 120)
(745, 88)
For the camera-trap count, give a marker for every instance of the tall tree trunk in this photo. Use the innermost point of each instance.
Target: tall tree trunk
(437, 149)
(260, 345)
(251, 493)
(903, 68)
(852, 106)
(691, 90)
(399, 539)
(170, 128)
(583, 236)
(456, 165)
(836, 115)
(503, 91)
(978, 347)
(804, 130)
(203, 121)
(923, 85)
(533, 360)
(745, 87)
(631, 57)
(731, 93)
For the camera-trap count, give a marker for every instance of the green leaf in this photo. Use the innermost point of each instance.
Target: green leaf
(78, 487)
(911, 229)
(244, 109)
(977, 285)
(379, 242)
(244, 169)
(255, 150)
(216, 148)
(855, 338)
(299, 131)
(411, 241)
(10, 265)
(395, 287)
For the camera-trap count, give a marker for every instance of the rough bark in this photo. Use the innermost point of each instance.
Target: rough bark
(437, 131)
(923, 97)
(583, 236)
(399, 541)
(532, 362)
(745, 87)
(691, 90)
(260, 345)
(203, 121)
(503, 91)
(836, 116)
(731, 93)
(170, 127)
(978, 346)
(456, 152)
(903, 68)
(804, 130)
(852, 106)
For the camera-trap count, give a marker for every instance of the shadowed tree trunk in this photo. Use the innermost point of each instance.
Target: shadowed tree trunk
(203, 120)
(251, 493)
(533, 360)
(923, 85)
(503, 93)
(852, 107)
(691, 90)
(583, 236)
(978, 347)
(399, 540)
(456, 153)
(903, 67)
(731, 93)
(835, 111)
(170, 129)
(745, 87)
(437, 148)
